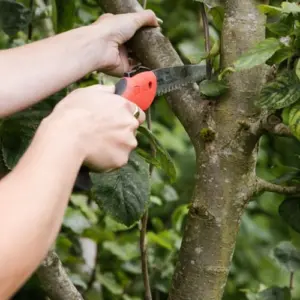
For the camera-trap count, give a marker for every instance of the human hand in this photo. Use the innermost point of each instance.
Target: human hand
(102, 123)
(115, 31)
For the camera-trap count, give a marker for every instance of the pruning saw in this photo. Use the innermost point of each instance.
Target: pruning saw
(141, 86)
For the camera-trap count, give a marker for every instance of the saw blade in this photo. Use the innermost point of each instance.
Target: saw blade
(173, 78)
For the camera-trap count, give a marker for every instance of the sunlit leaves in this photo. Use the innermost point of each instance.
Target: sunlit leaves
(288, 256)
(123, 193)
(258, 54)
(75, 220)
(282, 92)
(14, 16)
(286, 8)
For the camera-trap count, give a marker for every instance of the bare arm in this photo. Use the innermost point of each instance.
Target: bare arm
(35, 194)
(34, 71)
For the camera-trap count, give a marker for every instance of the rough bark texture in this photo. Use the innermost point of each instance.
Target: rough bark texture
(55, 280)
(225, 166)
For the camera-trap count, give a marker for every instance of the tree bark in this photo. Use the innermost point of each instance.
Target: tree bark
(226, 165)
(54, 279)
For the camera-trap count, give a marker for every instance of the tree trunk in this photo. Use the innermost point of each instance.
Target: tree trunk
(226, 165)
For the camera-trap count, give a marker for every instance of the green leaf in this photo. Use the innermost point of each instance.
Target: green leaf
(288, 8)
(81, 202)
(162, 158)
(281, 55)
(75, 220)
(114, 226)
(294, 120)
(268, 9)
(162, 239)
(125, 252)
(283, 27)
(108, 280)
(282, 92)
(289, 210)
(66, 13)
(274, 293)
(14, 17)
(217, 14)
(258, 55)
(16, 133)
(123, 193)
(213, 88)
(288, 256)
(297, 68)
(178, 216)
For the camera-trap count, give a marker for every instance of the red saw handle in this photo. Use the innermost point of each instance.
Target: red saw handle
(139, 89)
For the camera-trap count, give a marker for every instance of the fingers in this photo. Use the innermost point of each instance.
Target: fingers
(138, 113)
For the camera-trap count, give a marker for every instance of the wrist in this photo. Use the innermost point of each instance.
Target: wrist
(64, 135)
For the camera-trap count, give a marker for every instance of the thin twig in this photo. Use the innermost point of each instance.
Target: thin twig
(144, 4)
(143, 230)
(30, 26)
(291, 280)
(207, 39)
(265, 186)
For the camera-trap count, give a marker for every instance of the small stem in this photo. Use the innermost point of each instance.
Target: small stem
(143, 248)
(144, 4)
(291, 280)
(207, 40)
(30, 26)
(143, 230)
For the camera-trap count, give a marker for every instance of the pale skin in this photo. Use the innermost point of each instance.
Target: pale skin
(91, 126)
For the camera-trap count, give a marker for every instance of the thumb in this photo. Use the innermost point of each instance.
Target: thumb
(103, 88)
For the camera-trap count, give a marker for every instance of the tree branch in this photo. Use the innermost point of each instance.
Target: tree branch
(55, 280)
(265, 186)
(267, 123)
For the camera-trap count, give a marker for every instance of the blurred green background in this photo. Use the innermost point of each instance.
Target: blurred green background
(102, 256)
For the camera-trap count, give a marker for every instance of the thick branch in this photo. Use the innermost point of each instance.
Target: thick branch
(267, 123)
(55, 280)
(265, 186)
(154, 50)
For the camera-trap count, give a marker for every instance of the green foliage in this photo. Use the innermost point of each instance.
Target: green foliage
(16, 133)
(288, 256)
(258, 55)
(161, 159)
(14, 16)
(274, 293)
(213, 88)
(64, 16)
(280, 93)
(289, 210)
(123, 193)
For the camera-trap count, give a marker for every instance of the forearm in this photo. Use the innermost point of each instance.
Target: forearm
(33, 200)
(34, 71)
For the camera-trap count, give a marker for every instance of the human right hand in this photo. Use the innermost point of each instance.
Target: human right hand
(101, 123)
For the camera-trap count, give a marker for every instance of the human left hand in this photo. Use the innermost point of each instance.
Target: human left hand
(115, 30)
